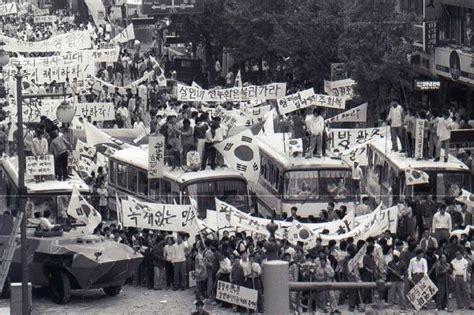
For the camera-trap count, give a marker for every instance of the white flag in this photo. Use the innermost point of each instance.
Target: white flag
(126, 35)
(118, 206)
(416, 177)
(238, 80)
(241, 153)
(356, 114)
(466, 197)
(83, 211)
(268, 126)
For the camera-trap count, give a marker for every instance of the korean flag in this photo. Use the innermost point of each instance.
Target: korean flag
(466, 197)
(295, 147)
(241, 153)
(416, 177)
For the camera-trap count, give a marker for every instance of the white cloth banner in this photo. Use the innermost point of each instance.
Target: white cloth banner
(58, 73)
(356, 114)
(341, 88)
(97, 10)
(45, 19)
(126, 35)
(97, 111)
(242, 154)
(155, 216)
(271, 91)
(156, 156)
(86, 166)
(71, 41)
(135, 2)
(308, 98)
(419, 137)
(40, 165)
(422, 293)
(9, 8)
(343, 140)
(237, 295)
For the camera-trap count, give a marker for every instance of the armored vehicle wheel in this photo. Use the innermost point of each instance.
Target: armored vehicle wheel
(113, 291)
(60, 287)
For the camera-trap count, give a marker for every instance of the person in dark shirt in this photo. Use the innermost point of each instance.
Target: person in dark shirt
(395, 274)
(294, 216)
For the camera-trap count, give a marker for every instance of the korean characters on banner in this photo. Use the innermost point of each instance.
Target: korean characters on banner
(343, 140)
(237, 295)
(419, 137)
(34, 108)
(86, 166)
(242, 154)
(308, 98)
(9, 8)
(45, 19)
(357, 115)
(40, 165)
(422, 293)
(156, 156)
(341, 88)
(271, 91)
(71, 41)
(97, 111)
(47, 74)
(155, 216)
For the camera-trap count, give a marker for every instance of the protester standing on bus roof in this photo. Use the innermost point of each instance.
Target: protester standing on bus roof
(315, 126)
(443, 132)
(356, 180)
(395, 120)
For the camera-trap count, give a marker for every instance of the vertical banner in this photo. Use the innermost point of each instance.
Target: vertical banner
(156, 156)
(419, 138)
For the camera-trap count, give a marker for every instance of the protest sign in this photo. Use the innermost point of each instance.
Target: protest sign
(236, 294)
(37, 12)
(156, 156)
(356, 154)
(344, 140)
(9, 8)
(86, 166)
(40, 165)
(242, 154)
(256, 114)
(126, 35)
(271, 91)
(97, 111)
(33, 109)
(97, 10)
(419, 137)
(71, 41)
(85, 149)
(134, 2)
(422, 293)
(45, 19)
(99, 84)
(296, 101)
(156, 216)
(356, 114)
(192, 279)
(48, 74)
(340, 88)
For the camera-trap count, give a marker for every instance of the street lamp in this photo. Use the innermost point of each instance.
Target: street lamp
(65, 112)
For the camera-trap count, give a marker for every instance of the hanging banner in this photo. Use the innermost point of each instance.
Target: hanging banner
(97, 111)
(271, 91)
(241, 153)
(71, 41)
(156, 216)
(86, 57)
(344, 140)
(134, 2)
(422, 293)
(37, 12)
(356, 114)
(45, 19)
(126, 35)
(34, 108)
(307, 98)
(419, 137)
(97, 11)
(341, 88)
(237, 295)
(85, 149)
(256, 115)
(40, 165)
(99, 84)
(156, 156)
(9, 8)
(49, 74)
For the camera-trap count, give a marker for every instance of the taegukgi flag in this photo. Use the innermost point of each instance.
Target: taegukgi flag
(416, 177)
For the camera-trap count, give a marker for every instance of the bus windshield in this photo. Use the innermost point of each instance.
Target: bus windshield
(231, 191)
(321, 185)
(445, 184)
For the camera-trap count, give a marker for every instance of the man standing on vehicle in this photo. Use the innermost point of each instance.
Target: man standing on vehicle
(356, 180)
(315, 126)
(395, 120)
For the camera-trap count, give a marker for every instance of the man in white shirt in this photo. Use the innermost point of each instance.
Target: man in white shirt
(45, 223)
(395, 120)
(363, 208)
(418, 267)
(442, 224)
(179, 264)
(460, 274)
(315, 126)
(213, 135)
(443, 132)
(356, 179)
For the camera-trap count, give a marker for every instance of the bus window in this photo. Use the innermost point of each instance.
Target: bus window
(142, 183)
(302, 185)
(112, 172)
(450, 184)
(335, 184)
(233, 192)
(165, 195)
(132, 180)
(154, 192)
(122, 175)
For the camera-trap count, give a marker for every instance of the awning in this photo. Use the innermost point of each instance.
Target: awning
(459, 3)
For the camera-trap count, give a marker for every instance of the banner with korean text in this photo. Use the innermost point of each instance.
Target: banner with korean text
(237, 295)
(156, 216)
(341, 88)
(45, 19)
(97, 11)
(419, 137)
(422, 293)
(40, 165)
(156, 156)
(343, 140)
(126, 35)
(308, 98)
(9, 8)
(59, 73)
(272, 91)
(97, 111)
(356, 114)
(71, 41)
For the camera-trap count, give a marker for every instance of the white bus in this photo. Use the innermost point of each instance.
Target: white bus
(308, 184)
(385, 180)
(50, 195)
(128, 170)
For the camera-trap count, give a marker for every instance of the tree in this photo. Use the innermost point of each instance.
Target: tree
(374, 44)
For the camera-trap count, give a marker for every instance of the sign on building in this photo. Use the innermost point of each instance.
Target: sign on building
(166, 7)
